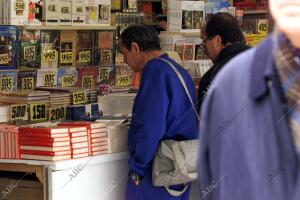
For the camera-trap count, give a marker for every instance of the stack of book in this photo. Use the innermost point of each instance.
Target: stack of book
(79, 141)
(44, 143)
(4, 113)
(9, 142)
(93, 96)
(59, 99)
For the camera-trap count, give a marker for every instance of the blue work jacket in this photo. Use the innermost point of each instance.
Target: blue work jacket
(246, 148)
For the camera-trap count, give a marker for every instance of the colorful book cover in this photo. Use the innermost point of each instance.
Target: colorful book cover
(105, 48)
(18, 11)
(9, 41)
(35, 12)
(65, 15)
(91, 13)
(46, 78)
(50, 45)
(78, 12)
(107, 75)
(8, 80)
(30, 49)
(85, 48)
(189, 51)
(87, 77)
(67, 77)
(68, 42)
(104, 14)
(26, 80)
(51, 12)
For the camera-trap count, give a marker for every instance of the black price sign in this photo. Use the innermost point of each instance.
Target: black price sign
(87, 81)
(104, 73)
(123, 80)
(66, 57)
(106, 55)
(18, 112)
(68, 81)
(6, 83)
(27, 84)
(29, 53)
(49, 56)
(49, 80)
(84, 56)
(4, 59)
(52, 8)
(79, 97)
(58, 113)
(37, 112)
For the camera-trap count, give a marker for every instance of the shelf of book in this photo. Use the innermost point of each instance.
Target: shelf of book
(186, 34)
(57, 27)
(254, 12)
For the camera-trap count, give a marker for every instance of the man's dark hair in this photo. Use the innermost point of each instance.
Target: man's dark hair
(226, 26)
(145, 36)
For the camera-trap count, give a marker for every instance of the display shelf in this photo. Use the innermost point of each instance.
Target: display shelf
(151, 0)
(58, 27)
(187, 34)
(254, 12)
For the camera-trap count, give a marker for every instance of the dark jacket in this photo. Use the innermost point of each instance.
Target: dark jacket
(225, 55)
(247, 151)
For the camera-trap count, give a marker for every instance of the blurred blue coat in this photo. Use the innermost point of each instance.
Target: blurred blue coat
(246, 148)
(161, 111)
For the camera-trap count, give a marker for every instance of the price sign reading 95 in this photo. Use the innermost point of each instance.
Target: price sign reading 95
(87, 81)
(4, 59)
(68, 81)
(38, 112)
(79, 97)
(18, 112)
(6, 83)
(27, 84)
(49, 80)
(49, 55)
(84, 56)
(29, 53)
(66, 57)
(123, 80)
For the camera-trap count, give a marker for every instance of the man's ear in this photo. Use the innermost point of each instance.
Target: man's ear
(218, 41)
(135, 47)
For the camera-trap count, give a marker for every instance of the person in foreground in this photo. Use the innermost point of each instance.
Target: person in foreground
(250, 140)
(222, 40)
(161, 110)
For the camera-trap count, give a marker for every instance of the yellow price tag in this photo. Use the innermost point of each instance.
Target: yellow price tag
(49, 80)
(38, 112)
(84, 56)
(29, 53)
(68, 81)
(6, 83)
(106, 55)
(104, 74)
(79, 97)
(87, 81)
(123, 80)
(49, 56)
(66, 57)
(93, 14)
(58, 113)
(262, 26)
(4, 59)
(18, 112)
(27, 84)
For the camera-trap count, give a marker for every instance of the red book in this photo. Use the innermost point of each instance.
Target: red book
(79, 134)
(49, 136)
(79, 139)
(47, 158)
(43, 148)
(96, 140)
(96, 144)
(87, 77)
(46, 153)
(94, 153)
(79, 145)
(100, 148)
(98, 130)
(43, 139)
(45, 144)
(90, 125)
(43, 130)
(97, 135)
(81, 155)
(80, 150)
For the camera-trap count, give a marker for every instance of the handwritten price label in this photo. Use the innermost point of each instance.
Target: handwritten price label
(262, 26)
(66, 57)
(68, 81)
(19, 6)
(18, 112)
(29, 53)
(79, 97)
(49, 55)
(27, 84)
(123, 80)
(84, 56)
(104, 73)
(37, 112)
(4, 59)
(58, 113)
(106, 55)
(87, 81)
(49, 80)
(6, 83)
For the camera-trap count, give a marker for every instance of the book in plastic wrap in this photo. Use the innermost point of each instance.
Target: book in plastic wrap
(68, 45)
(67, 77)
(85, 48)
(26, 80)
(35, 12)
(105, 48)
(78, 12)
(46, 78)
(87, 77)
(50, 45)
(65, 15)
(8, 80)
(51, 12)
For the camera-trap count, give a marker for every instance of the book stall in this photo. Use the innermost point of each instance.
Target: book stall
(66, 93)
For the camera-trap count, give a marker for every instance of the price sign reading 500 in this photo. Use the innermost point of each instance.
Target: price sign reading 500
(18, 111)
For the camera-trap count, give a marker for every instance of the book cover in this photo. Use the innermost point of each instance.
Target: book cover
(87, 77)
(43, 130)
(104, 17)
(67, 77)
(9, 45)
(46, 78)
(105, 48)
(43, 148)
(68, 42)
(51, 12)
(107, 75)
(65, 15)
(35, 12)
(81, 155)
(18, 11)
(189, 51)
(44, 143)
(85, 48)
(50, 44)
(8, 80)
(26, 80)
(78, 12)
(46, 158)
(46, 153)
(91, 12)
(30, 49)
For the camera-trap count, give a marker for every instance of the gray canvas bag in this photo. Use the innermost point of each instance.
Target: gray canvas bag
(175, 162)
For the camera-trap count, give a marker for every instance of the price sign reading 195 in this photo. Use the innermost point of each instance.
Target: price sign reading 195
(6, 83)
(38, 112)
(18, 112)
(79, 97)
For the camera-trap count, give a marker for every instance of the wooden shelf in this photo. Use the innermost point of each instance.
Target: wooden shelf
(254, 12)
(187, 34)
(151, 0)
(57, 27)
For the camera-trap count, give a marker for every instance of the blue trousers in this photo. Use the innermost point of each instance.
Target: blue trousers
(146, 191)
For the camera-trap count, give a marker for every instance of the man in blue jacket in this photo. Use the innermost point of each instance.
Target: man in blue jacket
(250, 128)
(161, 111)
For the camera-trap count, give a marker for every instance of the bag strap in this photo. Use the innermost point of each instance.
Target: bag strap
(183, 84)
(176, 193)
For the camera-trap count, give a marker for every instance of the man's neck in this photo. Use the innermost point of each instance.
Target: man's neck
(147, 56)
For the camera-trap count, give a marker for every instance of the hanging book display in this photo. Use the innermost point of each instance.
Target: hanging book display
(85, 48)
(67, 56)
